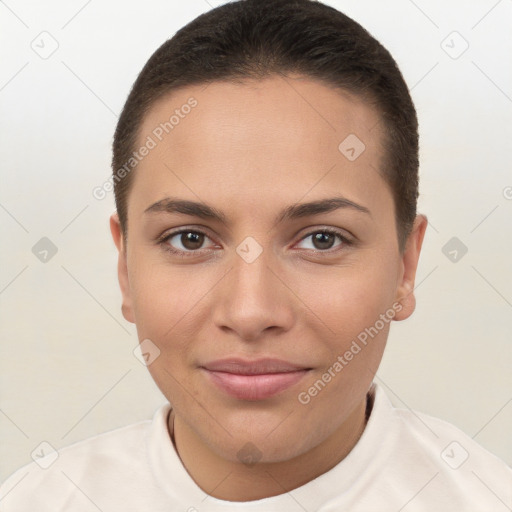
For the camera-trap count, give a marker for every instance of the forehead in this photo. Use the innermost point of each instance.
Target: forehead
(279, 135)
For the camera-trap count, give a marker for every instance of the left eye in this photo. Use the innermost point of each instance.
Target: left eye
(323, 240)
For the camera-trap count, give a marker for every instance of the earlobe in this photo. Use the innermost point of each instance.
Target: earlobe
(122, 268)
(405, 291)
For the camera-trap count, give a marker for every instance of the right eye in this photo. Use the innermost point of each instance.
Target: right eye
(188, 241)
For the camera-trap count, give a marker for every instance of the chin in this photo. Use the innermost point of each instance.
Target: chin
(261, 447)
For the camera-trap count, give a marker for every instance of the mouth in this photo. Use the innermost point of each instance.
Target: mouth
(253, 380)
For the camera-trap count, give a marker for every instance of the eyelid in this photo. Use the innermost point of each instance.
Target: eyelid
(343, 233)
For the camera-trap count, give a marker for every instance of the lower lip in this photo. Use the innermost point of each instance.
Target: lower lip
(255, 387)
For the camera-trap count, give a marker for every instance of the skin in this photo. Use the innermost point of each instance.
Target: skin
(250, 150)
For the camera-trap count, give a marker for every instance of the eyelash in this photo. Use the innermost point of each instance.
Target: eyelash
(162, 241)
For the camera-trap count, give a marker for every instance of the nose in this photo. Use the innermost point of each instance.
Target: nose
(254, 298)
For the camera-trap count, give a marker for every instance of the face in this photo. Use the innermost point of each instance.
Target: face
(254, 273)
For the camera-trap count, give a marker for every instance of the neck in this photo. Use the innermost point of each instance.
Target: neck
(234, 481)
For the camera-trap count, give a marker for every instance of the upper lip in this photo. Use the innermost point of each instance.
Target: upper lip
(252, 367)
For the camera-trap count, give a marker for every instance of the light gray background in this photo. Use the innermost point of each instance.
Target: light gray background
(67, 364)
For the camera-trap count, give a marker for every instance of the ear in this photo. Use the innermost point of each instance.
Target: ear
(122, 268)
(409, 264)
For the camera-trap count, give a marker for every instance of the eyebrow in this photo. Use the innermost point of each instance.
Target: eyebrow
(295, 211)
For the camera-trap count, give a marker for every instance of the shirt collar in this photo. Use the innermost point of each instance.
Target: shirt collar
(339, 483)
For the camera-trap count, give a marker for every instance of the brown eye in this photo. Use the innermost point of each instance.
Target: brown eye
(184, 242)
(191, 240)
(323, 240)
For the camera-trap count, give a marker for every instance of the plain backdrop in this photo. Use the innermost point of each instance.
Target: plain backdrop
(67, 365)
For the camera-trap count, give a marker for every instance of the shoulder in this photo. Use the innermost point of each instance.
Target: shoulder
(447, 442)
(55, 475)
(454, 467)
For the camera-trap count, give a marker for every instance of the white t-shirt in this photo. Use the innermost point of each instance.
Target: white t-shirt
(404, 461)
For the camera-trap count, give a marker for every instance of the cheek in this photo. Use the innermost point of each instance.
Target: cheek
(165, 305)
(161, 296)
(350, 299)
(170, 307)
(355, 308)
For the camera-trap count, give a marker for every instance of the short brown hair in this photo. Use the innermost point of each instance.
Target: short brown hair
(257, 38)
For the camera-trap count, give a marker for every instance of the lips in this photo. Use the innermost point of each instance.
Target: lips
(253, 380)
